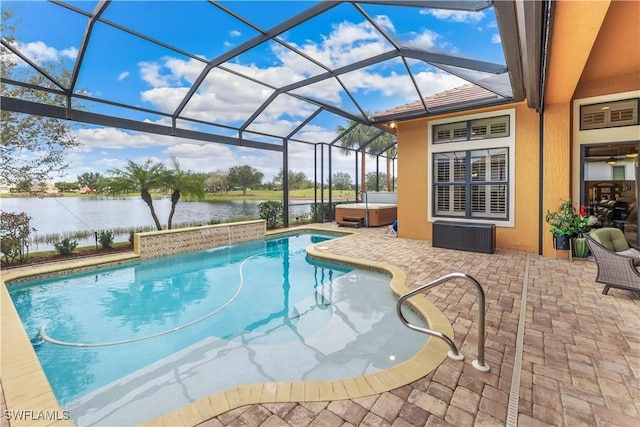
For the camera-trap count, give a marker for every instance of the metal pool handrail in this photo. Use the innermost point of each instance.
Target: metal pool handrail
(479, 364)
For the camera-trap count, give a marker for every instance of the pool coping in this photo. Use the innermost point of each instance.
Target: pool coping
(26, 387)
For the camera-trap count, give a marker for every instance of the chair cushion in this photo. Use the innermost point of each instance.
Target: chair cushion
(611, 238)
(631, 253)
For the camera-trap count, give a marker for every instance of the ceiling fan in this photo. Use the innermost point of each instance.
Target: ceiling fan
(611, 160)
(606, 154)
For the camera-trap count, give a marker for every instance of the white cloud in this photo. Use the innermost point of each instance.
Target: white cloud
(347, 42)
(495, 38)
(70, 52)
(235, 33)
(123, 75)
(165, 99)
(425, 41)
(385, 22)
(205, 157)
(431, 83)
(226, 98)
(150, 73)
(313, 133)
(40, 52)
(112, 138)
(454, 15)
(108, 163)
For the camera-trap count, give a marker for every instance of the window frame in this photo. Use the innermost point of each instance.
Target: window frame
(468, 146)
(606, 108)
(468, 127)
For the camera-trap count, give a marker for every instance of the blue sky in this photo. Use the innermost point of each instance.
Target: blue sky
(120, 67)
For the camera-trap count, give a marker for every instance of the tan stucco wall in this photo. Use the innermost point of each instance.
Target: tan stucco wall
(414, 166)
(593, 51)
(557, 172)
(575, 29)
(412, 180)
(607, 86)
(614, 61)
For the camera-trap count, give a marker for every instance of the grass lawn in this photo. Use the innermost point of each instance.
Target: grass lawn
(306, 193)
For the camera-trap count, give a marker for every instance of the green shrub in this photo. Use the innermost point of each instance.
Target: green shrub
(323, 211)
(66, 246)
(106, 239)
(271, 211)
(15, 236)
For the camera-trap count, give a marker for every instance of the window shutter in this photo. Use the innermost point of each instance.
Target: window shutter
(620, 116)
(609, 114)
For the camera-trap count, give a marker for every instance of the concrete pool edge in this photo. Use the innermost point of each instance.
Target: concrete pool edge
(26, 387)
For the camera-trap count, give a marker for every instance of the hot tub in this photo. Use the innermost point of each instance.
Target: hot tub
(379, 213)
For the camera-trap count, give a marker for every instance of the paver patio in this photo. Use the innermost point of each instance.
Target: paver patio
(578, 363)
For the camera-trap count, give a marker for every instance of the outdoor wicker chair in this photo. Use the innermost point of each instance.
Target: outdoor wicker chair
(614, 255)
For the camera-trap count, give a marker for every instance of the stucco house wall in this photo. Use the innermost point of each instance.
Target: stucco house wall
(593, 55)
(414, 165)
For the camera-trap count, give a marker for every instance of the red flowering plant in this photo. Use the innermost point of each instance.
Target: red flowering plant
(583, 222)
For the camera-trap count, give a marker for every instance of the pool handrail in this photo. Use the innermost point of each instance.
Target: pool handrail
(479, 364)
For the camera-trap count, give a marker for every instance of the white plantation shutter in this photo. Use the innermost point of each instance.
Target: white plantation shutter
(477, 189)
(450, 132)
(490, 127)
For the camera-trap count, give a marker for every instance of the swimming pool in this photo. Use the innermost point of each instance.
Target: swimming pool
(290, 318)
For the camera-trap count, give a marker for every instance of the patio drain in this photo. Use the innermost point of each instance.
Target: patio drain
(514, 392)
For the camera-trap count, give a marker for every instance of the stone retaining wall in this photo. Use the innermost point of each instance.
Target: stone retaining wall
(155, 244)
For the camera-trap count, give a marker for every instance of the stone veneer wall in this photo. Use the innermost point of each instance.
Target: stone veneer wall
(155, 244)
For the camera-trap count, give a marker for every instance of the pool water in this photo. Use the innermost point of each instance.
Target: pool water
(149, 337)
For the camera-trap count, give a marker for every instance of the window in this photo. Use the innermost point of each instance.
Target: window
(472, 183)
(450, 132)
(619, 173)
(484, 128)
(609, 114)
(471, 162)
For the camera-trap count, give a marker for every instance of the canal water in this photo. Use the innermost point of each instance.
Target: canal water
(68, 214)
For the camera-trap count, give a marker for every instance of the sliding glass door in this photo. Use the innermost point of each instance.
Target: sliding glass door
(609, 177)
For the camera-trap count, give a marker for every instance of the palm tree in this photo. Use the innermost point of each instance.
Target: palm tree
(391, 154)
(181, 182)
(142, 178)
(354, 140)
(380, 146)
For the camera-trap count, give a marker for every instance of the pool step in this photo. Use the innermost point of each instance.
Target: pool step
(352, 221)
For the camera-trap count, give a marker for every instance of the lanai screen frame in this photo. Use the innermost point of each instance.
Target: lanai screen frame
(520, 57)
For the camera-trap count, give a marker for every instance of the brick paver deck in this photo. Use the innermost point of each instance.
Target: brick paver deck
(579, 363)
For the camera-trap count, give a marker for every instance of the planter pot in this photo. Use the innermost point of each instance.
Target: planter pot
(561, 242)
(580, 247)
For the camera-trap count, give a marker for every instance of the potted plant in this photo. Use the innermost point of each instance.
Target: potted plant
(583, 224)
(562, 224)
